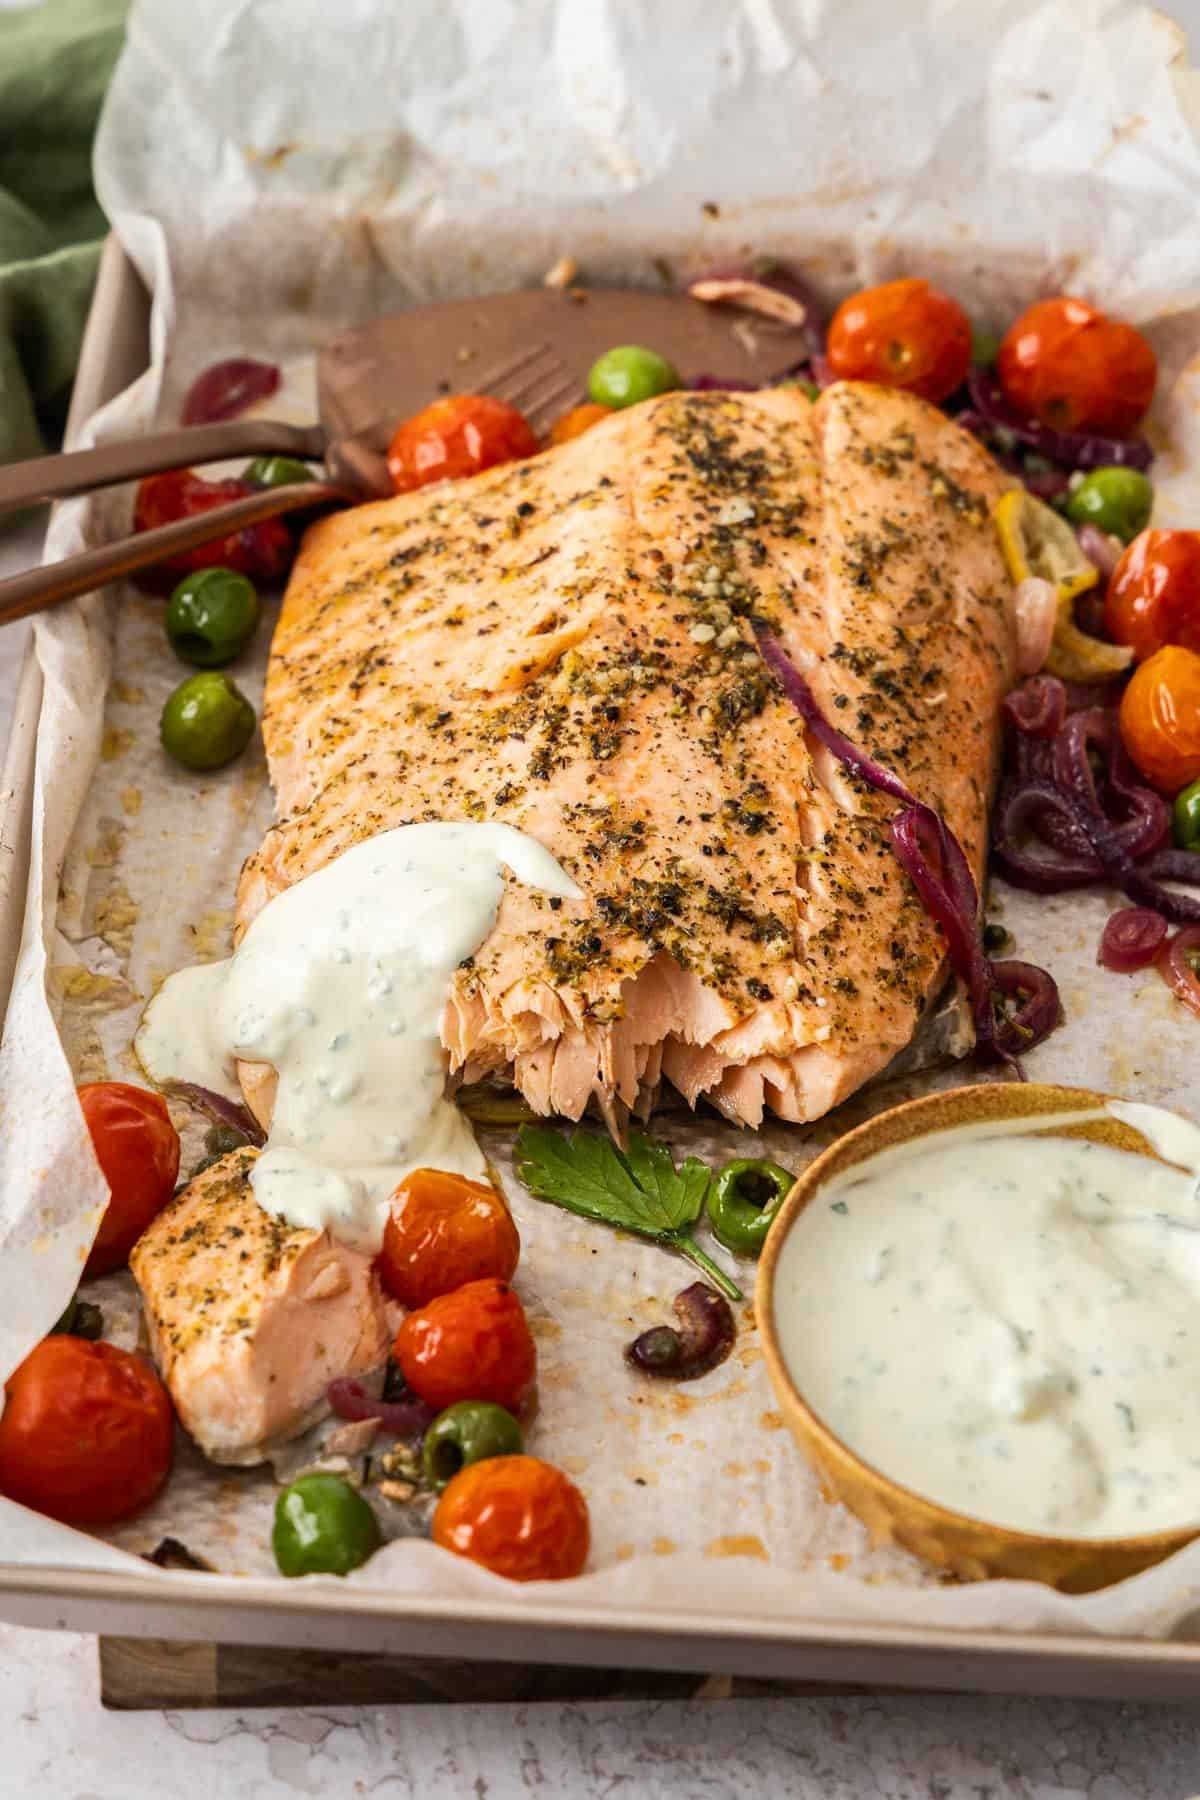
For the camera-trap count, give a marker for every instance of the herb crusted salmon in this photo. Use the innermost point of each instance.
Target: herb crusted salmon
(565, 645)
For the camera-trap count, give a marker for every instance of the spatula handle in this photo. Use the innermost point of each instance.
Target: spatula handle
(79, 471)
(36, 589)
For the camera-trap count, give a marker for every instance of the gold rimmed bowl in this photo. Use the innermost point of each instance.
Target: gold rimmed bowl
(968, 1547)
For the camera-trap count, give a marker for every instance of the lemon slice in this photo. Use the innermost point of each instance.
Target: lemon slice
(1035, 540)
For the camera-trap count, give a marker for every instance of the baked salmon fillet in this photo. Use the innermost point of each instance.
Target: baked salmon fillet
(251, 1319)
(565, 645)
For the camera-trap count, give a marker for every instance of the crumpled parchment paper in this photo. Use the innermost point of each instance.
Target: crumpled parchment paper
(275, 178)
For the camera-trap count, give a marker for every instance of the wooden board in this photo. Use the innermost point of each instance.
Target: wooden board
(140, 1673)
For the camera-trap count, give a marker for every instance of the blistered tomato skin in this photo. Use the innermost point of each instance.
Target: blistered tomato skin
(473, 1344)
(1154, 595)
(86, 1434)
(904, 334)
(457, 436)
(442, 1232)
(573, 424)
(137, 1148)
(263, 552)
(1160, 718)
(516, 1516)
(1076, 370)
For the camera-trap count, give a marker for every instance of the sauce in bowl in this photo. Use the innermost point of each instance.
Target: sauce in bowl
(1007, 1322)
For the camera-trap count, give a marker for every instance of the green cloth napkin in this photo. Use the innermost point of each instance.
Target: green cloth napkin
(55, 62)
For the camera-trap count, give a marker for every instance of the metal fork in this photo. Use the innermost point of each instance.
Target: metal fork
(535, 380)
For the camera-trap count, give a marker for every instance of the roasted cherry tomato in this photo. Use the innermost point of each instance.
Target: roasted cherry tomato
(442, 1232)
(86, 1432)
(1154, 595)
(263, 551)
(904, 334)
(473, 1344)
(573, 424)
(468, 1432)
(323, 1526)
(1076, 370)
(457, 436)
(1160, 718)
(517, 1516)
(137, 1148)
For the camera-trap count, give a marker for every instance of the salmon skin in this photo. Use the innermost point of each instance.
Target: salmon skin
(565, 645)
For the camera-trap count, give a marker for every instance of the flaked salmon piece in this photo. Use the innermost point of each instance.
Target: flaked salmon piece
(251, 1319)
(565, 645)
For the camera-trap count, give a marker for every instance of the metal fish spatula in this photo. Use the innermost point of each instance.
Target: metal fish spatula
(532, 348)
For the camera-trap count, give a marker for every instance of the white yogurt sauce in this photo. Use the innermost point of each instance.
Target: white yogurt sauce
(340, 984)
(1009, 1324)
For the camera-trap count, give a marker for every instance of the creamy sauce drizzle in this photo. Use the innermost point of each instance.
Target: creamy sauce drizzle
(340, 984)
(1009, 1323)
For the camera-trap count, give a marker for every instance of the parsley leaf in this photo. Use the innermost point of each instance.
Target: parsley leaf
(638, 1189)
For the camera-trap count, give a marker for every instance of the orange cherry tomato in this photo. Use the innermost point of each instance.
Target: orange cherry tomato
(457, 436)
(904, 334)
(1160, 718)
(1071, 367)
(86, 1433)
(442, 1232)
(518, 1517)
(264, 551)
(473, 1344)
(1154, 595)
(137, 1147)
(573, 424)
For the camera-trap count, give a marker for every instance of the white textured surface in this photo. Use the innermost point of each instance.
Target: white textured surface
(55, 1734)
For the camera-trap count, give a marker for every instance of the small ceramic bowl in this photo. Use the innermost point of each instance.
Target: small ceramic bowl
(970, 1548)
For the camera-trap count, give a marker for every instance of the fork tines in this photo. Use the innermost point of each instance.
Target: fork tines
(536, 381)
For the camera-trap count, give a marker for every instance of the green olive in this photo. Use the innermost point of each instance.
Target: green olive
(276, 471)
(206, 722)
(985, 347)
(743, 1201)
(211, 617)
(468, 1432)
(627, 374)
(1116, 499)
(323, 1526)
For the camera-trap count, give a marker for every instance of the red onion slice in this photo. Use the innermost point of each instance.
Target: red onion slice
(769, 289)
(1179, 966)
(228, 388)
(1101, 549)
(1131, 939)
(1038, 707)
(935, 862)
(991, 410)
(1024, 812)
(221, 1110)
(1035, 611)
(707, 384)
(407, 1418)
(1047, 484)
(1173, 865)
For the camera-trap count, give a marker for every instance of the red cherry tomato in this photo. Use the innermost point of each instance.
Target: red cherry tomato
(137, 1147)
(904, 334)
(457, 436)
(519, 1517)
(443, 1231)
(1076, 370)
(473, 1344)
(86, 1432)
(263, 552)
(1160, 718)
(1154, 595)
